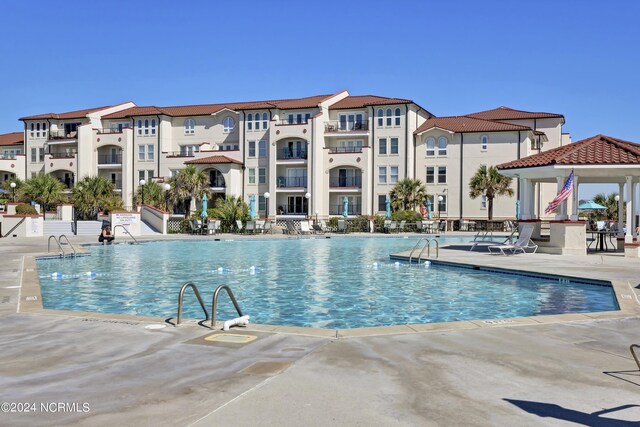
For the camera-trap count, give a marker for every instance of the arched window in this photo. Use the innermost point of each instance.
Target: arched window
(139, 127)
(442, 146)
(431, 146)
(265, 120)
(484, 143)
(153, 127)
(257, 121)
(388, 117)
(397, 119)
(228, 124)
(189, 126)
(216, 179)
(249, 120)
(380, 117)
(146, 126)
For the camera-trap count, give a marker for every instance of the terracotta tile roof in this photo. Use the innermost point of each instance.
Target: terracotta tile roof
(461, 124)
(506, 113)
(13, 138)
(597, 150)
(366, 101)
(78, 114)
(212, 160)
(134, 111)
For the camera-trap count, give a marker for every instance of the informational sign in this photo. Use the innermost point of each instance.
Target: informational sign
(35, 227)
(124, 218)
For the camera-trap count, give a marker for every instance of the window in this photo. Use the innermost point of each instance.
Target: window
(139, 127)
(382, 146)
(262, 149)
(252, 148)
(150, 152)
(146, 152)
(189, 126)
(442, 146)
(382, 175)
(262, 175)
(380, 117)
(382, 202)
(34, 154)
(262, 204)
(483, 202)
(388, 117)
(296, 205)
(394, 146)
(146, 175)
(146, 126)
(393, 175)
(41, 155)
(307, 117)
(430, 179)
(228, 123)
(141, 153)
(216, 179)
(484, 143)
(442, 204)
(249, 121)
(37, 130)
(265, 121)
(33, 127)
(252, 175)
(153, 127)
(442, 175)
(352, 121)
(44, 130)
(188, 150)
(290, 119)
(397, 119)
(431, 146)
(257, 121)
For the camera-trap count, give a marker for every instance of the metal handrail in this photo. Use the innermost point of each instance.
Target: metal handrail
(68, 243)
(214, 303)
(427, 247)
(414, 248)
(181, 297)
(125, 230)
(57, 242)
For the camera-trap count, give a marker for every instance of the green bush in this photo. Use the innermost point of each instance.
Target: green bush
(24, 209)
(408, 215)
(332, 223)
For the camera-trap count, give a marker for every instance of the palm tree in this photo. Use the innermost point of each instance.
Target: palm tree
(230, 209)
(153, 195)
(608, 202)
(44, 189)
(407, 194)
(94, 194)
(189, 183)
(490, 183)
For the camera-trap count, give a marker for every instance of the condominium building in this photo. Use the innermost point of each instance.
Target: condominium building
(306, 155)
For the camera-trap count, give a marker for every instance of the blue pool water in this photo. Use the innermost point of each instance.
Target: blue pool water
(326, 283)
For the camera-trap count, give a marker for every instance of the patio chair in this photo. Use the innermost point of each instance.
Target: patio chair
(317, 228)
(393, 226)
(250, 227)
(291, 228)
(387, 226)
(304, 227)
(401, 226)
(196, 227)
(260, 225)
(239, 225)
(343, 226)
(267, 227)
(521, 245)
(213, 227)
(419, 227)
(323, 225)
(442, 226)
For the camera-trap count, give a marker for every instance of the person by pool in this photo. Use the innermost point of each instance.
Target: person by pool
(106, 236)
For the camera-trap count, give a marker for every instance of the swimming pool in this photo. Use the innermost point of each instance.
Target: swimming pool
(342, 282)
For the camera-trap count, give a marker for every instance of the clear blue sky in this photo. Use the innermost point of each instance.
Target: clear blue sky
(578, 58)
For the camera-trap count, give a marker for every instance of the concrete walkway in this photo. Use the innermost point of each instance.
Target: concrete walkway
(526, 374)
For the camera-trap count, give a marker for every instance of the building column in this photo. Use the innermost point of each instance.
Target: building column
(575, 199)
(634, 197)
(628, 195)
(562, 207)
(620, 225)
(525, 208)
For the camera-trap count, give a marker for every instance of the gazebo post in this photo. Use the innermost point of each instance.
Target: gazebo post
(628, 238)
(620, 226)
(525, 200)
(562, 208)
(575, 199)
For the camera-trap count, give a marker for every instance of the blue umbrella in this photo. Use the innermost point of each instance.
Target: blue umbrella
(252, 206)
(591, 205)
(428, 208)
(518, 209)
(203, 214)
(345, 207)
(387, 206)
(3, 191)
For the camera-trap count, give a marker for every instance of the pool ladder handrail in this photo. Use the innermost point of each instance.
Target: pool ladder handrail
(68, 243)
(214, 303)
(427, 247)
(181, 297)
(125, 230)
(62, 254)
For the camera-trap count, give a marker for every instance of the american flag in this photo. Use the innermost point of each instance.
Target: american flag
(562, 195)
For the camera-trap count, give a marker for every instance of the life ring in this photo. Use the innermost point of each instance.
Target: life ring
(423, 210)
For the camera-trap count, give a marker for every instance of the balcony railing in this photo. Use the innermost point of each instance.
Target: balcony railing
(112, 130)
(356, 149)
(109, 159)
(293, 121)
(217, 184)
(62, 155)
(292, 182)
(61, 134)
(352, 209)
(8, 156)
(181, 153)
(289, 154)
(345, 182)
(338, 126)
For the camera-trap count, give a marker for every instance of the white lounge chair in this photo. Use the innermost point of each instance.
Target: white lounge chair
(522, 244)
(304, 227)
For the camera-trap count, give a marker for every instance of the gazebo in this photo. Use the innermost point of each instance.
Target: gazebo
(600, 159)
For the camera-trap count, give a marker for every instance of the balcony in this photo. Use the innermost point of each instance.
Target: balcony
(61, 161)
(57, 135)
(352, 209)
(62, 155)
(8, 156)
(345, 182)
(296, 182)
(109, 159)
(181, 153)
(293, 121)
(106, 131)
(336, 150)
(336, 126)
(291, 154)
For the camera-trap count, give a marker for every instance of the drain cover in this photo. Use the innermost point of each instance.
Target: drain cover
(231, 338)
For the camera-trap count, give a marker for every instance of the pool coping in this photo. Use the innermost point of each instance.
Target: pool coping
(30, 301)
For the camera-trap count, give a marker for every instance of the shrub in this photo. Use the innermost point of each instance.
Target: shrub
(24, 209)
(408, 215)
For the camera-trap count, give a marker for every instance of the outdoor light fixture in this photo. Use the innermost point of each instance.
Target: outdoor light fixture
(13, 191)
(316, 216)
(440, 199)
(308, 196)
(142, 183)
(167, 187)
(266, 203)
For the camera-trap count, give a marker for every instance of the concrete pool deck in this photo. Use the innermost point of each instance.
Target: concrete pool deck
(551, 370)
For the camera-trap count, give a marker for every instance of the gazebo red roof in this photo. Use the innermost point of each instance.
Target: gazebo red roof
(597, 150)
(212, 160)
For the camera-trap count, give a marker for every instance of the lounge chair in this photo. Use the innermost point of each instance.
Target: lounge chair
(393, 226)
(317, 228)
(239, 225)
(304, 227)
(442, 226)
(260, 225)
(521, 245)
(196, 226)
(213, 227)
(484, 237)
(401, 226)
(343, 226)
(267, 227)
(387, 226)
(420, 227)
(291, 228)
(250, 227)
